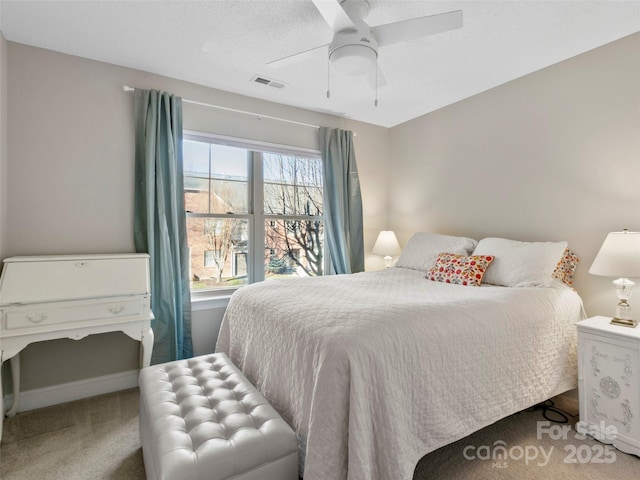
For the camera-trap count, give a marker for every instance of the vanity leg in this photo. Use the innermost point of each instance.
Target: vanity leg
(15, 373)
(146, 347)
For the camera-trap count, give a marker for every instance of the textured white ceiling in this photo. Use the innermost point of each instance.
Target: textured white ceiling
(225, 43)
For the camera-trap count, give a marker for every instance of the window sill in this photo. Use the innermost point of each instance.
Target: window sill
(211, 301)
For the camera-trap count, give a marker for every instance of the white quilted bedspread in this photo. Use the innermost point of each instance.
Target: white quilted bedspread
(375, 370)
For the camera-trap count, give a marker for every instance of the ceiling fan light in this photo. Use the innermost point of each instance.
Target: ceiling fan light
(353, 60)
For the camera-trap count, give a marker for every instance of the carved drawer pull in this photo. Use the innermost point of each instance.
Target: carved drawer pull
(116, 309)
(37, 317)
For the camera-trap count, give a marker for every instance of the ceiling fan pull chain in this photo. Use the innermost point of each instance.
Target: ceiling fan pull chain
(375, 104)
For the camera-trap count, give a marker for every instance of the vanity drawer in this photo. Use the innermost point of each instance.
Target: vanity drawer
(56, 314)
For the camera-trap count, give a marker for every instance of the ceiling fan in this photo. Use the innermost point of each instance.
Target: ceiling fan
(354, 49)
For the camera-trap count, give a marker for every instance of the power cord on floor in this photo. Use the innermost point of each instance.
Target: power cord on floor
(549, 410)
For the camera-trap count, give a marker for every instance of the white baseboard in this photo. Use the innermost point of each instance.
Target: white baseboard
(68, 392)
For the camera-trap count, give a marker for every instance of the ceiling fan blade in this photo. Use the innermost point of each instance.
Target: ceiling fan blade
(417, 27)
(297, 57)
(334, 15)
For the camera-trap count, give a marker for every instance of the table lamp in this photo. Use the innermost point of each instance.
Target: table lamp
(619, 256)
(387, 245)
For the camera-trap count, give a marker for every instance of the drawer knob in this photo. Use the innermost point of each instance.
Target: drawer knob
(37, 317)
(116, 309)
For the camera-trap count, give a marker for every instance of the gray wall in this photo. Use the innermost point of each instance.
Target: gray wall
(71, 148)
(70, 165)
(554, 155)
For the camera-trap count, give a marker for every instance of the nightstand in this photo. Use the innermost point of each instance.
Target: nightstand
(609, 383)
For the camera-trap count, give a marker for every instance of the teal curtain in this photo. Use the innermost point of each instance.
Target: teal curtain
(160, 220)
(343, 201)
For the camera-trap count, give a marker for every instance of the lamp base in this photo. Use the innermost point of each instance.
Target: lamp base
(624, 322)
(624, 288)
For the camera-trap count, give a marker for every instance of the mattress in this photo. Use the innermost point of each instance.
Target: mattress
(374, 370)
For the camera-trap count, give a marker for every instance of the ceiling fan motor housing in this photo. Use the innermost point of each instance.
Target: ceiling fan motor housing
(356, 9)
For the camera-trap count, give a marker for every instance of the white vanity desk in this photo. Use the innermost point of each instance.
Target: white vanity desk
(71, 296)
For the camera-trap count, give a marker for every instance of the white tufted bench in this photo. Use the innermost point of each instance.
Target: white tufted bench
(201, 419)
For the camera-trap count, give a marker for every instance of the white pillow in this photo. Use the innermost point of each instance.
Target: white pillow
(520, 264)
(423, 249)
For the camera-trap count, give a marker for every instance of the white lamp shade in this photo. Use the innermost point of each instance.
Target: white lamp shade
(353, 60)
(387, 244)
(619, 256)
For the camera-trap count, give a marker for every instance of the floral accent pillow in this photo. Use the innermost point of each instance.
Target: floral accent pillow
(566, 267)
(459, 269)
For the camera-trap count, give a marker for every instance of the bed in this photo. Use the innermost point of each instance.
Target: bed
(374, 370)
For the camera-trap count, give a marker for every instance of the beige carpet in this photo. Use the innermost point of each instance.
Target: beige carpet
(97, 438)
(530, 455)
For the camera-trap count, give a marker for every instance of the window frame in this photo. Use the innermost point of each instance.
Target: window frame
(256, 216)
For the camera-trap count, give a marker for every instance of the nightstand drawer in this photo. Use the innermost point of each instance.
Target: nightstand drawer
(611, 389)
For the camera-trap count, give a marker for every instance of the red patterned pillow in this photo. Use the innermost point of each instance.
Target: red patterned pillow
(459, 269)
(566, 267)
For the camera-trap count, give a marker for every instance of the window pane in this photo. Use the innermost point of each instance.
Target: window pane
(294, 248)
(196, 176)
(229, 184)
(215, 178)
(229, 196)
(196, 194)
(216, 245)
(195, 158)
(292, 185)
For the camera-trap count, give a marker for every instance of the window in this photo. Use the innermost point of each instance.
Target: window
(209, 258)
(254, 211)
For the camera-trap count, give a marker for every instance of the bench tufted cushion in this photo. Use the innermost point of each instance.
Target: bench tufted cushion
(201, 419)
